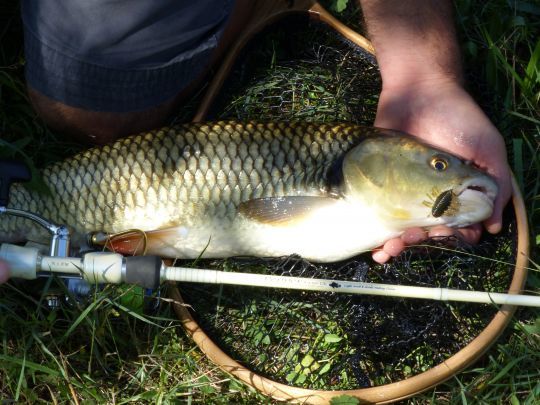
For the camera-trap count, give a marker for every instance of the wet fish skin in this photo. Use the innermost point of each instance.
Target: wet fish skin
(231, 188)
(187, 170)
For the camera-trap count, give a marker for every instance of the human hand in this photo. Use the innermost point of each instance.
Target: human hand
(4, 272)
(443, 114)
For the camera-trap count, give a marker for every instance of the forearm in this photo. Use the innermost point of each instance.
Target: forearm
(414, 40)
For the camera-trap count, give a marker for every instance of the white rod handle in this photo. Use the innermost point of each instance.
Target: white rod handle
(68, 265)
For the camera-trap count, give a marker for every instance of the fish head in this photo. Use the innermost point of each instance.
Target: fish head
(409, 183)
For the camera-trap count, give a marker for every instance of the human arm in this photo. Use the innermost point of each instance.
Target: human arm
(423, 94)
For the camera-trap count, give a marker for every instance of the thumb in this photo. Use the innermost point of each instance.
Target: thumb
(494, 223)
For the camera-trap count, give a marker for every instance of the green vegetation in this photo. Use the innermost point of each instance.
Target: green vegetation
(109, 350)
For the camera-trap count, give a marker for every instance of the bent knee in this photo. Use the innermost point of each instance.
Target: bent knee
(97, 127)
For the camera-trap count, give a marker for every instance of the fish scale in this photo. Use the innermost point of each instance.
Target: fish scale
(326, 192)
(190, 171)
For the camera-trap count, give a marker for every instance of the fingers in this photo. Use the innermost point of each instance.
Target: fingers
(394, 247)
(413, 236)
(390, 249)
(470, 234)
(380, 256)
(494, 223)
(4, 272)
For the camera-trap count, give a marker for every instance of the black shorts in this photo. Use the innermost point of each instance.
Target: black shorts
(119, 55)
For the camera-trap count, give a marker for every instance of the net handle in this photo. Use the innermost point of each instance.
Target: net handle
(263, 14)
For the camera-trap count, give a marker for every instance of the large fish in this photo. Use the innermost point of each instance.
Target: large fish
(325, 192)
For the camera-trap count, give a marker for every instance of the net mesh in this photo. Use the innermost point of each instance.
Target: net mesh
(336, 341)
(326, 340)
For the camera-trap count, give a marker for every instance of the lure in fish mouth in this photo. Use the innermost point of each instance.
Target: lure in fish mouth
(473, 198)
(325, 192)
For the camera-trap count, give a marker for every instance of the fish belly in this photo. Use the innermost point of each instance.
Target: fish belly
(332, 233)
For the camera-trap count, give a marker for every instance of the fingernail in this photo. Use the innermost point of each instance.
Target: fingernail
(494, 228)
(380, 256)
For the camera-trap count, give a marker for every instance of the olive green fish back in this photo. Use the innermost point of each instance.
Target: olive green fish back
(190, 170)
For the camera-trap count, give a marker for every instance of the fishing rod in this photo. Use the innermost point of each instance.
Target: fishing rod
(150, 272)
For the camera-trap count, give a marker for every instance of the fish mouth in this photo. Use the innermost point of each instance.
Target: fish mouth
(474, 201)
(482, 187)
(476, 198)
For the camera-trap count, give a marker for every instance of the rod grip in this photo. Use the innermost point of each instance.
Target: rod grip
(143, 270)
(22, 261)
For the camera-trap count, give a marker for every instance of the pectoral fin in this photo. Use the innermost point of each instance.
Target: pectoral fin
(283, 210)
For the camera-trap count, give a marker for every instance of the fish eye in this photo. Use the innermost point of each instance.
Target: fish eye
(439, 164)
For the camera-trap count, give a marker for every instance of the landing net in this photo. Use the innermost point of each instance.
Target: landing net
(325, 340)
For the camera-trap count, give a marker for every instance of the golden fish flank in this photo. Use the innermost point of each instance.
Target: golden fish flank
(326, 192)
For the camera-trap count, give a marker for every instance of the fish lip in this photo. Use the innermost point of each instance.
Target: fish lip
(476, 190)
(484, 186)
(476, 199)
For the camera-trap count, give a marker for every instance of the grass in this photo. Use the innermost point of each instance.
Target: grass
(109, 351)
